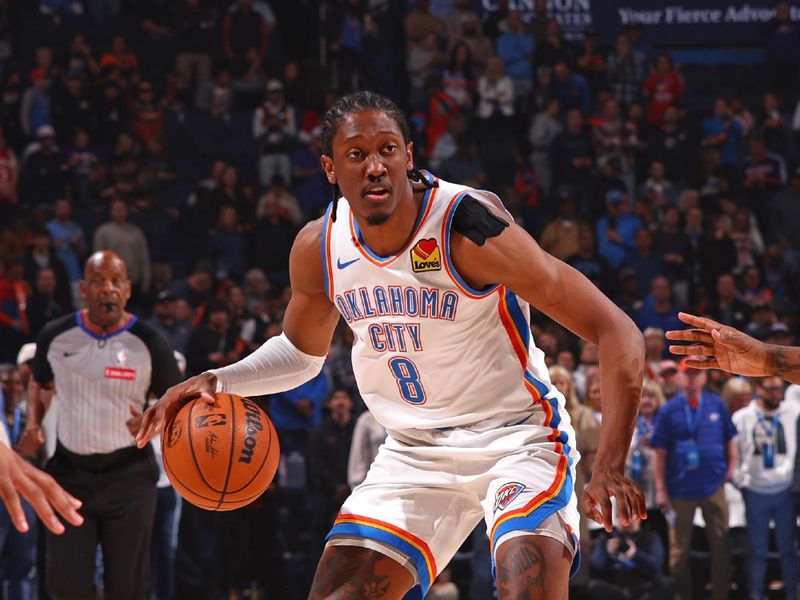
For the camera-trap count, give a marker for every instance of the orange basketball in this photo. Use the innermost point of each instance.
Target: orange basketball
(220, 456)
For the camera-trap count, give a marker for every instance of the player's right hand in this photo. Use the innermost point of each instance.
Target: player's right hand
(31, 440)
(17, 476)
(156, 417)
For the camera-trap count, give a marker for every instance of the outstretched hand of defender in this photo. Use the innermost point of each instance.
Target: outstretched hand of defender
(157, 417)
(721, 346)
(607, 484)
(17, 476)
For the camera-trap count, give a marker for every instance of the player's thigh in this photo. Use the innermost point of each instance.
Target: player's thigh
(353, 572)
(533, 567)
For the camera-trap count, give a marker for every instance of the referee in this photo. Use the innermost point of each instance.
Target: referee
(103, 362)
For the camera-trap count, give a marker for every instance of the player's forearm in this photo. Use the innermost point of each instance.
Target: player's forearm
(621, 372)
(784, 361)
(276, 366)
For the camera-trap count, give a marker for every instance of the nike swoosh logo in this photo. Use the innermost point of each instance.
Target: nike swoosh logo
(344, 265)
(66, 354)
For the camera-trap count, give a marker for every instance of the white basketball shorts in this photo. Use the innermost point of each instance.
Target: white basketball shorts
(428, 489)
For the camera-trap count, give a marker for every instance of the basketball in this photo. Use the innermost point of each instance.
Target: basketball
(220, 456)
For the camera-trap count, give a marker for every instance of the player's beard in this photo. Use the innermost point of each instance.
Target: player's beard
(377, 219)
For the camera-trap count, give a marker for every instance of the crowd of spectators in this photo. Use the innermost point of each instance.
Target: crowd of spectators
(185, 137)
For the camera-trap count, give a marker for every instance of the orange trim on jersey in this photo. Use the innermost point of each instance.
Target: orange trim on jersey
(404, 535)
(328, 257)
(542, 497)
(518, 345)
(400, 253)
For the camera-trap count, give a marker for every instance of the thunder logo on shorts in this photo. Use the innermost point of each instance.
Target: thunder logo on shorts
(506, 494)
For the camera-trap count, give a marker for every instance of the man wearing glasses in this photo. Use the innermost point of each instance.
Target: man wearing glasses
(767, 444)
(695, 454)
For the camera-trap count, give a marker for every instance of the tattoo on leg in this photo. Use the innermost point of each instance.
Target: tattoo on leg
(522, 571)
(351, 573)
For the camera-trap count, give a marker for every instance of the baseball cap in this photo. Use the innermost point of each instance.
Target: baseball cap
(45, 131)
(667, 365)
(779, 327)
(26, 353)
(614, 196)
(656, 331)
(274, 85)
(166, 296)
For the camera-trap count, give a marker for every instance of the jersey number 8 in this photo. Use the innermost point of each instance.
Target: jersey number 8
(407, 376)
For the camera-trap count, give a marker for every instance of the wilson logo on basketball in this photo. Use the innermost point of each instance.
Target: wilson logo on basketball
(425, 256)
(506, 494)
(212, 420)
(252, 416)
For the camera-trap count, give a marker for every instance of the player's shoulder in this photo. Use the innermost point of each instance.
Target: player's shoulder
(309, 238)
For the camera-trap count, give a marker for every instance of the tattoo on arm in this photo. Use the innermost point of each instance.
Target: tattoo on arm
(350, 572)
(785, 362)
(522, 572)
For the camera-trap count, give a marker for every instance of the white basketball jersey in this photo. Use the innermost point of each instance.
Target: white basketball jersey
(430, 351)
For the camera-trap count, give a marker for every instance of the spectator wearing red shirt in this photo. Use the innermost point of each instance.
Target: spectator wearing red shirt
(148, 114)
(9, 177)
(664, 87)
(442, 107)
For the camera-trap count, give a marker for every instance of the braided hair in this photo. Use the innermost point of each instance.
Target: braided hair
(357, 102)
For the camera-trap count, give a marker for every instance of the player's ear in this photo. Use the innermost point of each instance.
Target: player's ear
(410, 156)
(83, 289)
(327, 166)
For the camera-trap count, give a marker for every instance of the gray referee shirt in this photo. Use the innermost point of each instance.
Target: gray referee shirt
(96, 377)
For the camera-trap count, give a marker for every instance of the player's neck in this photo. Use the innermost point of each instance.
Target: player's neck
(393, 235)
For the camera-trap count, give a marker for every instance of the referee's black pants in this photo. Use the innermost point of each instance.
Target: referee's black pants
(118, 492)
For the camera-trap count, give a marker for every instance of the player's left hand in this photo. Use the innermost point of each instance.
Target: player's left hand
(608, 483)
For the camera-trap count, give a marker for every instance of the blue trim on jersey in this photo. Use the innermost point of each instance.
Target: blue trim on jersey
(382, 259)
(524, 329)
(324, 248)
(449, 218)
(87, 331)
(374, 533)
(532, 521)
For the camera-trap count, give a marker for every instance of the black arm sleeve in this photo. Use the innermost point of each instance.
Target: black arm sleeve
(40, 367)
(475, 221)
(165, 371)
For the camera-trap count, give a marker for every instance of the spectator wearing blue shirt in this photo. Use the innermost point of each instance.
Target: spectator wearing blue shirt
(645, 261)
(695, 454)
(616, 232)
(308, 178)
(724, 133)
(296, 412)
(571, 89)
(658, 310)
(515, 48)
(18, 550)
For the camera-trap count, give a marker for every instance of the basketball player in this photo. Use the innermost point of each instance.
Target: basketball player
(731, 350)
(423, 272)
